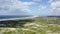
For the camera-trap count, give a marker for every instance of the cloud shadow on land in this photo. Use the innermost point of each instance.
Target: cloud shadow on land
(14, 23)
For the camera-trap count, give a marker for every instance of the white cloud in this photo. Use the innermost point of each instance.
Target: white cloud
(56, 0)
(14, 7)
(55, 7)
(42, 7)
(50, 1)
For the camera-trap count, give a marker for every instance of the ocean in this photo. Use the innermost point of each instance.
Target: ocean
(7, 17)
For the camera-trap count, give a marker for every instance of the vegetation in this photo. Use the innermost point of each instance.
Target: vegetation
(40, 25)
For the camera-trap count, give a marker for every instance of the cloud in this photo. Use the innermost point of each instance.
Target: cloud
(42, 8)
(50, 1)
(55, 7)
(14, 7)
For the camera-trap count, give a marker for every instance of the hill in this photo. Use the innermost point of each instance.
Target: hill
(40, 25)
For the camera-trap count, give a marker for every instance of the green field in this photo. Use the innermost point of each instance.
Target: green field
(40, 25)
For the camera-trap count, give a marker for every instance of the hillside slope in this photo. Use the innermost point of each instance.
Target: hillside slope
(39, 26)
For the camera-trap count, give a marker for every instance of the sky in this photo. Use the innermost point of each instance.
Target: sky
(30, 7)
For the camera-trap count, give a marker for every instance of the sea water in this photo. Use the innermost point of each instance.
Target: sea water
(7, 17)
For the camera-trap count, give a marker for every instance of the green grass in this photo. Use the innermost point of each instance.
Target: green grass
(39, 26)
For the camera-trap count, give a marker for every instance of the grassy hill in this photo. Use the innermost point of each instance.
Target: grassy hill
(40, 25)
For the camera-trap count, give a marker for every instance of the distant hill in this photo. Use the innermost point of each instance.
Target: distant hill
(54, 16)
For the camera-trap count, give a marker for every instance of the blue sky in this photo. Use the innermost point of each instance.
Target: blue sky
(30, 7)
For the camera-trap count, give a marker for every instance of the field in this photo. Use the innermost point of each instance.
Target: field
(40, 25)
